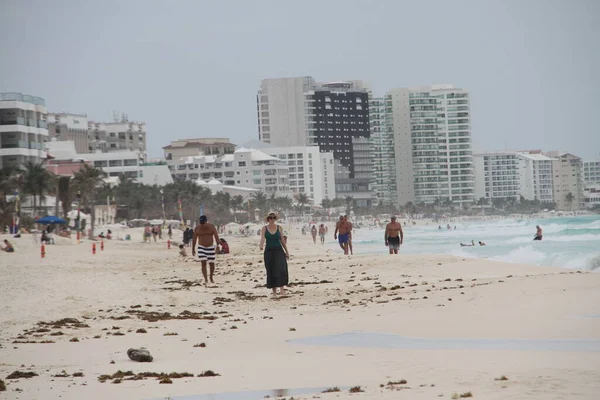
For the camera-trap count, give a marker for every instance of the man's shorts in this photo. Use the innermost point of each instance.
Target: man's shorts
(394, 243)
(206, 253)
(343, 238)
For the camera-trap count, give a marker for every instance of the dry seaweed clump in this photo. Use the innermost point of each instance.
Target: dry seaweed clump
(462, 395)
(502, 378)
(332, 390)
(130, 376)
(208, 373)
(2, 386)
(154, 316)
(64, 323)
(355, 389)
(19, 375)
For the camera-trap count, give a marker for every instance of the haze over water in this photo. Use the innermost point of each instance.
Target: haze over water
(569, 242)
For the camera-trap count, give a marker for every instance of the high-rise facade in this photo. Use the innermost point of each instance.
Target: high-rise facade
(382, 149)
(433, 149)
(281, 111)
(23, 129)
(333, 116)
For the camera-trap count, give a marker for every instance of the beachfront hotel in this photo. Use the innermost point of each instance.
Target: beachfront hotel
(23, 129)
(432, 144)
(333, 116)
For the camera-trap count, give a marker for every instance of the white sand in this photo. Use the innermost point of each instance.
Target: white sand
(535, 303)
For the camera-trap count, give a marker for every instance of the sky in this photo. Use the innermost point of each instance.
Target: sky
(192, 68)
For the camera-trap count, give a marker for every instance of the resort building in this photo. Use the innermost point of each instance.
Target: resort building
(23, 129)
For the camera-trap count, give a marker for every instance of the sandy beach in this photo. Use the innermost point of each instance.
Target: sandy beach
(447, 326)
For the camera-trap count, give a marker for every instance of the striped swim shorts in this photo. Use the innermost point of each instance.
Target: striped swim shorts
(206, 253)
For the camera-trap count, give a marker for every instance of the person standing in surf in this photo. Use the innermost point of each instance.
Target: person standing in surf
(275, 256)
(393, 236)
(538, 233)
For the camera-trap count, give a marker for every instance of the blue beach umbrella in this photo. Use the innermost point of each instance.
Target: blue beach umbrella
(51, 219)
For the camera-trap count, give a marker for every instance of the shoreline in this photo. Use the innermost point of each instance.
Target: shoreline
(248, 334)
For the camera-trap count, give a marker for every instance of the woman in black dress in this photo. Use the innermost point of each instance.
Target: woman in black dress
(276, 255)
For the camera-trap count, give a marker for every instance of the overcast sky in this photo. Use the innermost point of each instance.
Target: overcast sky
(192, 68)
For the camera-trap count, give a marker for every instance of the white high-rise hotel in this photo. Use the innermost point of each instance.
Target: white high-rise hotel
(432, 144)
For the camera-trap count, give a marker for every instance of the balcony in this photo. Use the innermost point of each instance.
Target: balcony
(13, 121)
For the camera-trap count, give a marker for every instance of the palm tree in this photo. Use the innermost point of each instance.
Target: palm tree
(258, 200)
(285, 203)
(349, 200)
(236, 205)
(569, 198)
(302, 200)
(9, 181)
(38, 181)
(87, 180)
(65, 194)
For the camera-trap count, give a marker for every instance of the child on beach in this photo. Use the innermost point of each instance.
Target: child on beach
(182, 251)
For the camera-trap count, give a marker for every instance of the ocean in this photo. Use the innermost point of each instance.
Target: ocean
(568, 242)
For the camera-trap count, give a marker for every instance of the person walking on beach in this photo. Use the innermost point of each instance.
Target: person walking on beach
(322, 232)
(313, 232)
(170, 233)
(275, 256)
(538, 233)
(394, 236)
(147, 233)
(203, 235)
(349, 234)
(343, 229)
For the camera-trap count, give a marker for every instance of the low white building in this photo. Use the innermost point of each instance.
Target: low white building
(115, 164)
(591, 195)
(245, 168)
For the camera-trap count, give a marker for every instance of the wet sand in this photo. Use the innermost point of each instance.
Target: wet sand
(77, 313)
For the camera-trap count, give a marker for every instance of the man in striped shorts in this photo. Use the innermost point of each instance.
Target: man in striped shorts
(203, 235)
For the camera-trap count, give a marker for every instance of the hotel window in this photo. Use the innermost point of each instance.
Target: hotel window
(242, 164)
